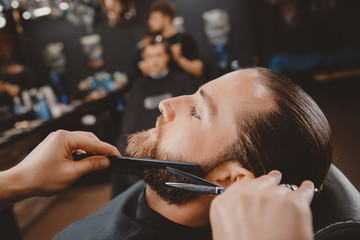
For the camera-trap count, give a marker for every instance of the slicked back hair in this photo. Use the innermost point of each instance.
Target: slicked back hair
(164, 43)
(294, 137)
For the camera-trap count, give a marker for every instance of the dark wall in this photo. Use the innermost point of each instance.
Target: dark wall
(119, 41)
(241, 36)
(256, 30)
(325, 29)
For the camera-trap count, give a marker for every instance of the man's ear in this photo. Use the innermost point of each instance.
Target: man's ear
(168, 57)
(142, 54)
(228, 173)
(168, 19)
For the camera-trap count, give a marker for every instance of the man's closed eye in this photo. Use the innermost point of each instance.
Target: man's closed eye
(194, 113)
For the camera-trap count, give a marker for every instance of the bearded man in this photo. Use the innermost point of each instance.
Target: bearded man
(239, 126)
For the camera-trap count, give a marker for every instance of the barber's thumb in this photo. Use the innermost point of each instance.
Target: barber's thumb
(92, 164)
(306, 190)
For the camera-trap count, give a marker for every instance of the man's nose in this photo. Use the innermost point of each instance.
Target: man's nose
(167, 110)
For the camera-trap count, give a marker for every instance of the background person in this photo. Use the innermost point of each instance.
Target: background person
(184, 50)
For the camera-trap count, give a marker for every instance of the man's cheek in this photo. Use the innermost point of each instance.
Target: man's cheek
(180, 145)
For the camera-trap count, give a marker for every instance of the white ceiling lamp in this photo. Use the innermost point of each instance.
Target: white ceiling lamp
(2, 21)
(14, 4)
(40, 12)
(26, 15)
(64, 6)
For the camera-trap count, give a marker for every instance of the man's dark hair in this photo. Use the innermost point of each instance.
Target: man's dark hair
(165, 7)
(294, 137)
(155, 41)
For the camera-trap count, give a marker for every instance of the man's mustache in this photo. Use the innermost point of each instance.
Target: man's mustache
(160, 122)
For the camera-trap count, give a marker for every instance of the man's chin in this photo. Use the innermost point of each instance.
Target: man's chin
(144, 145)
(156, 179)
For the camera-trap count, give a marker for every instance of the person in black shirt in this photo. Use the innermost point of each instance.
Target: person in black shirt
(184, 50)
(237, 127)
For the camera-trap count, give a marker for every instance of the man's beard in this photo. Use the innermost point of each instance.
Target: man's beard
(142, 145)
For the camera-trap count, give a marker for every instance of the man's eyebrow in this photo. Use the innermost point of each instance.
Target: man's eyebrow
(208, 102)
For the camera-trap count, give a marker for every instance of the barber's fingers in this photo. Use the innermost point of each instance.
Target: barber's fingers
(90, 164)
(305, 192)
(271, 179)
(90, 144)
(262, 183)
(89, 134)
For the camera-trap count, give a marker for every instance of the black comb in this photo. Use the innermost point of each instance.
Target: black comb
(134, 165)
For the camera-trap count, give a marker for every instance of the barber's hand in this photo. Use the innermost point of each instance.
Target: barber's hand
(176, 51)
(259, 208)
(50, 168)
(145, 41)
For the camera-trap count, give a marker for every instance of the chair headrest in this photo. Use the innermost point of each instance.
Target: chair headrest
(336, 210)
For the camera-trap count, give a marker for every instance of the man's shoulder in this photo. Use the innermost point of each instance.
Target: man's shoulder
(186, 35)
(188, 39)
(113, 221)
(180, 37)
(189, 46)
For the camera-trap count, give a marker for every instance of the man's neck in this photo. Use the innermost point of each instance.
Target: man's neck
(169, 31)
(159, 75)
(193, 214)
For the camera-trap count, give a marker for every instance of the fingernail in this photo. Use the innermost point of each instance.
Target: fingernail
(275, 173)
(103, 163)
(308, 183)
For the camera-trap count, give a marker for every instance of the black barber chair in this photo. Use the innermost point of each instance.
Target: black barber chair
(336, 211)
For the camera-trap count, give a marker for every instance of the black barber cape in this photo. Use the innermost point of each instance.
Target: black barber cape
(129, 217)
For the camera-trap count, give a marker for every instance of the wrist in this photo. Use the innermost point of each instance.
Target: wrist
(13, 188)
(179, 60)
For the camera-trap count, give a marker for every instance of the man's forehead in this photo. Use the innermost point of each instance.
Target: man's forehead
(231, 80)
(158, 47)
(241, 80)
(243, 87)
(239, 76)
(157, 13)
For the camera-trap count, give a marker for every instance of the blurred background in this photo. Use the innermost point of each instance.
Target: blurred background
(79, 65)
